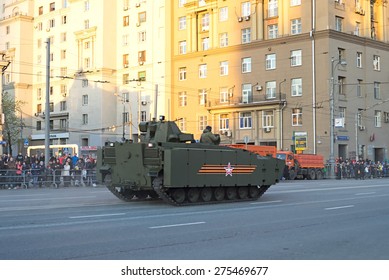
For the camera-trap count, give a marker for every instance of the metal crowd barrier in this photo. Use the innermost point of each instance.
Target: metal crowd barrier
(9, 179)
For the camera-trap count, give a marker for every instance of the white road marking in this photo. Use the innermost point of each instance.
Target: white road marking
(265, 202)
(51, 198)
(97, 216)
(366, 193)
(339, 207)
(177, 225)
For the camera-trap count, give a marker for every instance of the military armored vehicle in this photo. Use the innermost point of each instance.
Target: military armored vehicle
(170, 165)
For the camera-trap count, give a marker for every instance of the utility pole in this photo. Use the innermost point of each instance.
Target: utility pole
(47, 109)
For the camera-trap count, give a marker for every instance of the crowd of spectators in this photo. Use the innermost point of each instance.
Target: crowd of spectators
(24, 171)
(361, 169)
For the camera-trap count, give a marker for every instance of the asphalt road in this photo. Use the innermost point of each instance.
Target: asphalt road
(299, 220)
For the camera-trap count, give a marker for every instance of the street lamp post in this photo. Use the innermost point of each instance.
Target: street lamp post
(332, 113)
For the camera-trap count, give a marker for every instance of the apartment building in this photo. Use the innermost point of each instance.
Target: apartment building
(107, 64)
(303, 75)
(296, 74)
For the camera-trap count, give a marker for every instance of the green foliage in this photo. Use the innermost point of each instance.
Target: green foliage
(12, 121)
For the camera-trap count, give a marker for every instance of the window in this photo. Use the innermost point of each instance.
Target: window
(376, 63)
(224, 96)
(273, 8)
(357, 28)
(142, 76)
(39, 94)
(182, 99)
(181, 3)
(295, 3)
(142, 36)
(295, 26)
(84, 118)
(64, 90)
(51, 23)
(182, 47)
(377, 118)
(202, 71)
(272, 31)
(64, 20)
(271, 61)
(245, 120)
(51, 90)
(223, 14)
(126, 5)
(359, 90)
(7, 29)
(342, 85)
(40, 10)
(386, 117)
(297, 87)
(86, 24)
(182, 124)
(125, 40)
(247, 93)
(246, 9)
(203, 97)
(297, 117)
(143, 116)
(39, 108)
(223, 68)
(125, 60)
(377, 94)
(63, 37)
(359, 60)
(338, 24)
(270, 89)
(342, 115)
(246, 65)
(126, 21)
(38, 125)
(52, 6)
(62, 106)
(224, 122)
(141, 57)
(205, 22)
(86, 5)
(295, 58)
(63, 54)
(51, 106)
(246, 35)
(63, 124)
(223, 39)
(51, 125)
(267, 119)
(84, 100)
(203, 122)
(359, 117)
(205, 43)
(64, 71)
(182, 74)
(182, 23)
(85, 82)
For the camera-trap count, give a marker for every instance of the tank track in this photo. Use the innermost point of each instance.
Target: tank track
(167, 196)
(126, 194)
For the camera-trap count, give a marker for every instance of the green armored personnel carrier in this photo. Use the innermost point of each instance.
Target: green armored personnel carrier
(170, 165)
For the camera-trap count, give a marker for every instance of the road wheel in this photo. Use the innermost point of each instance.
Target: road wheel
(243, 192)
(206, 194)
(311, 174)
(193, 195)
(292, 174)
(219, 194)
(253, 191)
(319, 174)
(231, 193)
(178, 195)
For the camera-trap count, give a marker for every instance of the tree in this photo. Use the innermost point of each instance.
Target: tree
(12, 123)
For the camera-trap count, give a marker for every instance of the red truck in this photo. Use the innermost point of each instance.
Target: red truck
(306, 166)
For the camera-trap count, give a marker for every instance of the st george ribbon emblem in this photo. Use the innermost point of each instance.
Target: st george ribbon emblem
(229, 169)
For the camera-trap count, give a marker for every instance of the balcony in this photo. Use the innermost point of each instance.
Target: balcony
(239, 101)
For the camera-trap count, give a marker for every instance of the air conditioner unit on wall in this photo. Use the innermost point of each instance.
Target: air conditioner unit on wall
(258, 88)
(267, 129)
(362, 128)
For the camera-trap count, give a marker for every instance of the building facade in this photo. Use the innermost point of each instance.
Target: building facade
(290, 73)
(302, 75)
